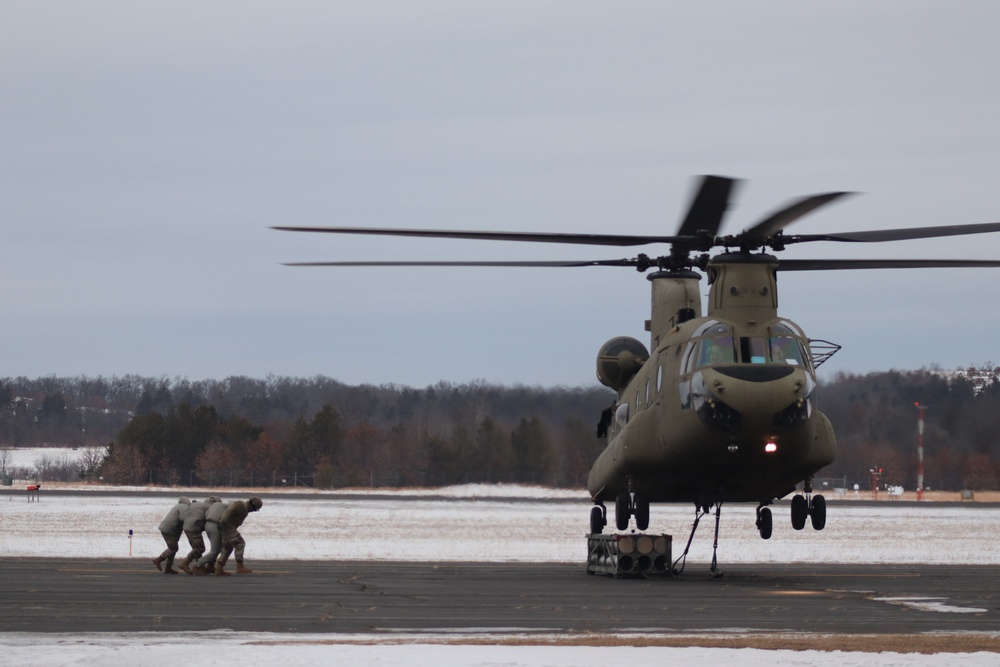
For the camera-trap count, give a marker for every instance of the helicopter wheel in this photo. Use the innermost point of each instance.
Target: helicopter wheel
(800, 511)
(640, 510)
(597, 520)
(817, 512)
(765, 522)
(623, 510)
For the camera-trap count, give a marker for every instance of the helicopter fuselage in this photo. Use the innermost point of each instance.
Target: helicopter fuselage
(724, 408)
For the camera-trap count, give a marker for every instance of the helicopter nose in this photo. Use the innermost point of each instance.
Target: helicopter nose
(765, 396)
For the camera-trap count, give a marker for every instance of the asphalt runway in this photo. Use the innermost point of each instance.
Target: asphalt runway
(130, 595)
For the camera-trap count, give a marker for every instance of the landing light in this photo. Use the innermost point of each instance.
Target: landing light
(771, 447)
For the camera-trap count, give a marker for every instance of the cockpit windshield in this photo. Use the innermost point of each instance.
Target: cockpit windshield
(753, 350)
(713, 328)
(785, 350)
(786, 346)
(714, 344)
(777, 349)
(717, 350)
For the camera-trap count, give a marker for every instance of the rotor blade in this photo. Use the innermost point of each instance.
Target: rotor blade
(834, 264)
(878, 235)
(529, 264)
(780, 219)
(708, 206)
(530, 237)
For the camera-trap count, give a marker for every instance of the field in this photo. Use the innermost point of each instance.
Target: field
(525, 524)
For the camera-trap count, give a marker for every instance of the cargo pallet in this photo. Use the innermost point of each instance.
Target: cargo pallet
(633, 555)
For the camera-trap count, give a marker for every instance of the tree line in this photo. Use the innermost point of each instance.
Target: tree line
(875, 417)
(319, 432)
(314, 431)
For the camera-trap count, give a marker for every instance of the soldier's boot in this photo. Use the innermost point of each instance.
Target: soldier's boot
(219, 572)
(184, 566)
(242, 569)
(158, 563)
(170, 570)
(198, 570)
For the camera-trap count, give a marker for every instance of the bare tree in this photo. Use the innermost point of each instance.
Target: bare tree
(91, 459)
(125, 464)
(217, 464)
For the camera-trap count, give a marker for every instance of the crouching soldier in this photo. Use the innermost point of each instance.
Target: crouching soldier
(171, 528)
(229, 524)
(194, 525)
(206, 564)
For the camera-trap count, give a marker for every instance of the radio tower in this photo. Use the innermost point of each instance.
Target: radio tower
(920, 450)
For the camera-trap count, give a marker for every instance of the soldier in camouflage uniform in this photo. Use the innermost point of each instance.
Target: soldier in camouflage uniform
(206, 564)
(194, 525)
(229, 524)
(171, 528)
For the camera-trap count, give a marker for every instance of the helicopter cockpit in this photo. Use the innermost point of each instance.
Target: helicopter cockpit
(773, 356)
(715, 344)
(788, 345)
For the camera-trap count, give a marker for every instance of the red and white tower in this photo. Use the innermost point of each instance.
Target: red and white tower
(920, 450)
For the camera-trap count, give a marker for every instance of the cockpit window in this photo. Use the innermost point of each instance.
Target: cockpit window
(786, 350)
(753, 350)
(718, 350)
(688, 358)
(787, 328)
(783, 346)
(713, 328)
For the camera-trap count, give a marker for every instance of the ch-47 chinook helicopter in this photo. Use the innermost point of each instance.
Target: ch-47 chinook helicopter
(723, 408)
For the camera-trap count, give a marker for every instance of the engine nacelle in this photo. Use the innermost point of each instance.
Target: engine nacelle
(619, 360)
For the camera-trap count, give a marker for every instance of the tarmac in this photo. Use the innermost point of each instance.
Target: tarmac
(871, 607)
(387, 598)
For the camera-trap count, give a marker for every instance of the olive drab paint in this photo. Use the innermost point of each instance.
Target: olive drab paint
(670, 445)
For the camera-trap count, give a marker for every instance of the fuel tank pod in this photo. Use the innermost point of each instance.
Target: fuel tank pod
(619, 360)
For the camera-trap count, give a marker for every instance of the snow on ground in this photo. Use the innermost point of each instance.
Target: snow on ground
(159, 650)
(470, 523)
(29, 457)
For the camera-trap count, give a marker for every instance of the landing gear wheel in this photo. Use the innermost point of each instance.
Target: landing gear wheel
(640, 510)
(597, 520)
(800, 511)
(817, 512)
(623, 510)
(765, 522)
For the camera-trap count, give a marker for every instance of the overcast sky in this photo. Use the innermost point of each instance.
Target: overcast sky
(148, 148)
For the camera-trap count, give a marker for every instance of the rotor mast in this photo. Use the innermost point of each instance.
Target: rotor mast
(744, 286)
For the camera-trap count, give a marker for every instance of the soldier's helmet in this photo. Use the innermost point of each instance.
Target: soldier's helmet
(256, 503)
